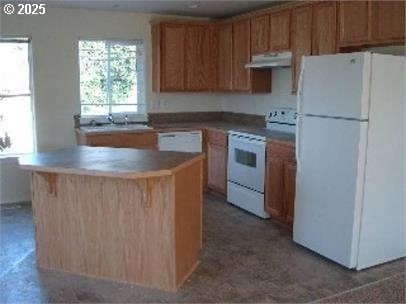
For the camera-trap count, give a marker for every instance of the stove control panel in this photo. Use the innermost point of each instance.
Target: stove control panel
(282, 119)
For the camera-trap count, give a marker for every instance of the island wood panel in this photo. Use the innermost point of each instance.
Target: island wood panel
(172, 56)
(260, 34)
(387, 21)
(280, 30)
(301, 40)
(188, 219)
(324, 31)
(198, 58)
(354, 23)
(241, 76)
(225, 56)
(121, 229)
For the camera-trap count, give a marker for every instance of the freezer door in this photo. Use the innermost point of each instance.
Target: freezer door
(335, 85)
(329, 186)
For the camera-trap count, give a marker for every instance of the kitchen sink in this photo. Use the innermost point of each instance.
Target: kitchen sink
(116, 127)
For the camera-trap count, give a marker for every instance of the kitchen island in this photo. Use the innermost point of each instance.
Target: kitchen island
(121, 214)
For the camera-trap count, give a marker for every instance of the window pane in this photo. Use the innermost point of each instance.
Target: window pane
(14, 76)
(95, 110)
(111, 73)
(93, 72)
(123, 74)
(16, 121)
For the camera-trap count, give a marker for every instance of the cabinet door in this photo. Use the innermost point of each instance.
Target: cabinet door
(260, 34)
(301, 39)
(198, 59)
(241, 55)
(353, 22)
(289, 186)
(225, 49)
(172, 57)
(280, 30)
(274, 188)
(388, 21)
(324, 28)
(217, 168)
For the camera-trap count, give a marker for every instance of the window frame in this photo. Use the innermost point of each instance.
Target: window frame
(31, 94)
(132, 115)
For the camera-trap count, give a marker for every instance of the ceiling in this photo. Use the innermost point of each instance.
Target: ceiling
(195, 8)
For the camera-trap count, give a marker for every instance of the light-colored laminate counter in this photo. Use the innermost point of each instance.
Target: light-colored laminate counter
(109, 162)
(120, 214)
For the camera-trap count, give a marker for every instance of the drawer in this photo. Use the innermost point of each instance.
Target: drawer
(217, 137)
(283, 152)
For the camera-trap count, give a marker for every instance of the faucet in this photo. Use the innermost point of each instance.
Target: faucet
(110, 118)
(126, 119)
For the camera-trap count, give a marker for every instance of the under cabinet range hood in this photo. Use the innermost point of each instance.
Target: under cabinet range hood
(270, 60)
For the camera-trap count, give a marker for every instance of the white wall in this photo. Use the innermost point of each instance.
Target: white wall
(260, 103)
(55, 72)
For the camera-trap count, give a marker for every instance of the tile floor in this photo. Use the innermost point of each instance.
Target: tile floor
(244, 259)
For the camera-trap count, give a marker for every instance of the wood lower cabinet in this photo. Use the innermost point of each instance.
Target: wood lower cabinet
(388, 21)
(138, 140)
(217, 154)
(280, 30)
(301, 40)
(280, 182)
(324, 31)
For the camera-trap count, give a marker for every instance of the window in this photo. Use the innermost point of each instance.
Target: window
(111, 77)
(16, 119)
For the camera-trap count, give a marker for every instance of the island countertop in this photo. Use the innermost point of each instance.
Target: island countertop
(109, 162)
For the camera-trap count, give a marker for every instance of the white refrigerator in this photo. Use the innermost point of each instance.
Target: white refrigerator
(350, 151)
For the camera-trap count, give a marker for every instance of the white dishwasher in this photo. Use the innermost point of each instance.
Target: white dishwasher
(186, 141)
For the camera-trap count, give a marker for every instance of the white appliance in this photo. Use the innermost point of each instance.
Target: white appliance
(180, 141)
(246, 162)
(246, 172)
(270, 60)
(350, 192)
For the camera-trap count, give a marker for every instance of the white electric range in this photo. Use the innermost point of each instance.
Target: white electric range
(246, 162)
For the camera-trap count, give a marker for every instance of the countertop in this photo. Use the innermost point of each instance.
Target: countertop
(109, 162)
(282, 137)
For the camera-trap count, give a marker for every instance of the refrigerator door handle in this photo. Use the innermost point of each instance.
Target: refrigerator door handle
(297, 144)
(300, 88)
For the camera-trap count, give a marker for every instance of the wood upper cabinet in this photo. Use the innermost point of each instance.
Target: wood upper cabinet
(388, 21)
(198, 58)
(225, 58)
(172, 56)
(280, 30)
(280, 182)
(301, 39)
(324, 31)
(241, 55)
(217, 154)
(354, 28)
(260, 34)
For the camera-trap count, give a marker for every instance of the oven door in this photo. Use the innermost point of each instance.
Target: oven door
(246, 162)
